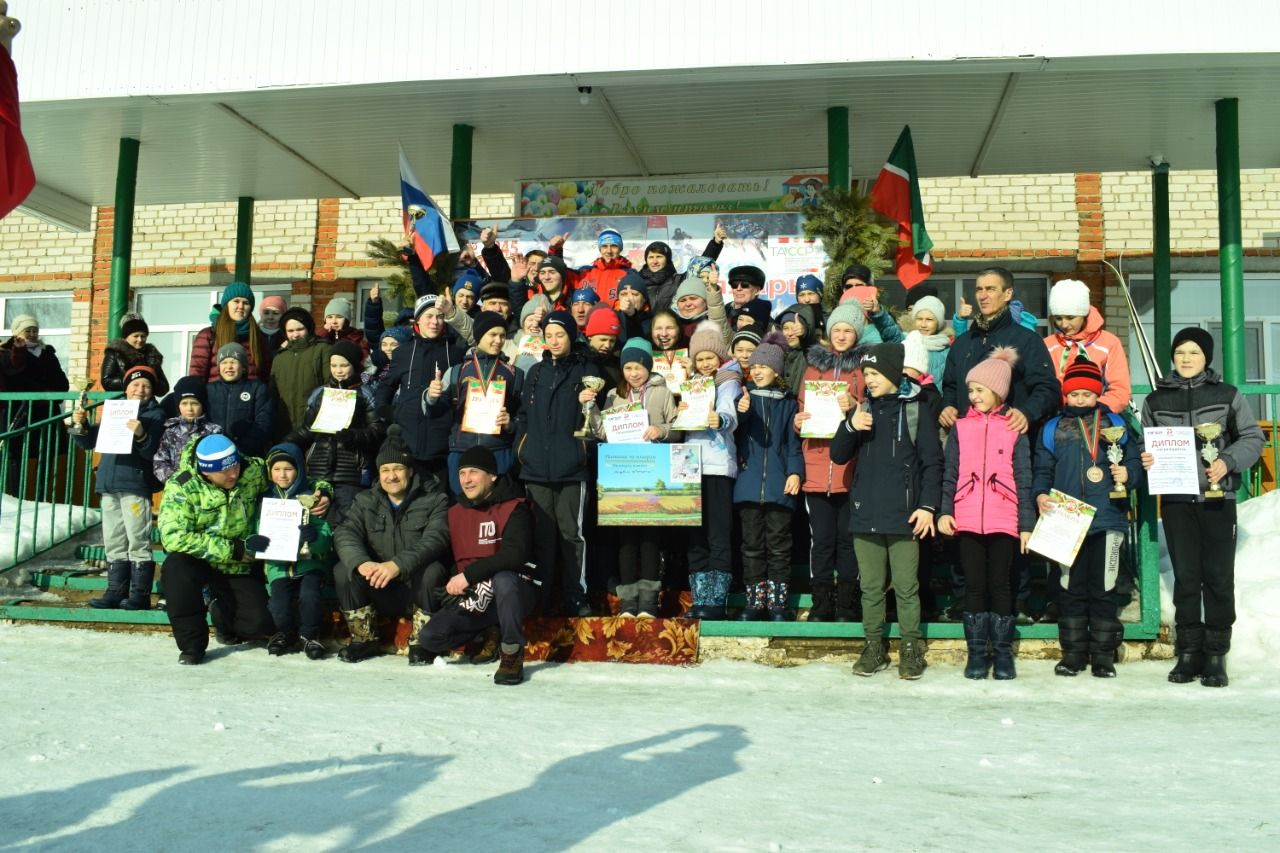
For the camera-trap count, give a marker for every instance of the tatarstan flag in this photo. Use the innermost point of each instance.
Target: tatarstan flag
(897, 195)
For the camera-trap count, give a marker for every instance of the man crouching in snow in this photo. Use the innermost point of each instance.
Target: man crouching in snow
(491, 528)
(206, 521)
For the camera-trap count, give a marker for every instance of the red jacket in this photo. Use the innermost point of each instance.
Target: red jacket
(820, 473)
(1103, 349)
(204, 360)
(349, 334)
(603, 278)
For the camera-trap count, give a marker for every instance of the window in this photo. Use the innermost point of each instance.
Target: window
(1030, 289)
(176, 315)
(390, 300)
(53, 312)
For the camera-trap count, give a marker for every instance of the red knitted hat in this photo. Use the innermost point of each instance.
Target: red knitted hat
(602, 321)
(995, 371)
(1082, 375)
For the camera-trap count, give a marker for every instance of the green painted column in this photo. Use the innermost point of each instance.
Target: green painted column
(122, 235)
(1230, 246)
(838, 147)
(460, 173)
(244, 239)
(1160, 264)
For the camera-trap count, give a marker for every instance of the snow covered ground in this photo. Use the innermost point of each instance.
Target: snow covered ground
(38, 528)
(110, 745)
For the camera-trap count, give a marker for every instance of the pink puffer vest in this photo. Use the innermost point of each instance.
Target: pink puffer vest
(986, 494)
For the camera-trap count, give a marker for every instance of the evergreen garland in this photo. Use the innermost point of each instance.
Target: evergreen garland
(851, 233)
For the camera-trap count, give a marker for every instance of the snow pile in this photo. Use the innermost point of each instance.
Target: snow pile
(1256, 638)
(113, 746)
(41, 526)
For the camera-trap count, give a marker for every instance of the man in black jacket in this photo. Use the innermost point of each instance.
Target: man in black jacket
(555, 464)
(391, 551)
(495, 582)
(1035, 393)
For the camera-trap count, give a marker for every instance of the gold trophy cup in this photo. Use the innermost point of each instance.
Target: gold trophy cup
(1115, 455)
(589, 383)
(307, 501)
(1209, 453)
(81, 384)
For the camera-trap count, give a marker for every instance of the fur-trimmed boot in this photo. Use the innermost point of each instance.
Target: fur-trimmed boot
(364, 635)
(1189, 645)
(418, 656)
(118, 572)
(141, 577)
(977, 636)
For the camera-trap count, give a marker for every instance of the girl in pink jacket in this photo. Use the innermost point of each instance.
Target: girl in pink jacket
(1080, 332)
(987, 505)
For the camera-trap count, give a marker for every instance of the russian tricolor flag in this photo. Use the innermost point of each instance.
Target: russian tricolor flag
(429, 230)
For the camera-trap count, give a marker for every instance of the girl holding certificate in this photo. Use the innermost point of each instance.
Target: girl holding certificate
(483, 392)
(832, 374)
(1201, 527)
(639, 568)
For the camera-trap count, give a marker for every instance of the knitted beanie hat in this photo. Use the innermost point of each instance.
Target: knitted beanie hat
(340, 306)
(770, 353)
(885, 359)
(131, 323)
(751, 334)
(914, 353)
(1069, 298)
(140, 371)
(216, 453)
(393, 450)
(479, 457)
(602, 321)
(534, 304)
(301, 315)
(276, 303)
(847, 312)
(931, 304)
(191, 388)
(634, 354)
(350, 351)
(808, 282)
(233, 350)
(691, 286)
(237, 290)
(485, 322)
(1081, 375)
(1199, 337)
(585, 294)
(708, 337)
(995, 371)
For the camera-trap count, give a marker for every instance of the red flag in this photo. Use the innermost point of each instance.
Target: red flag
(897, 196)
(17, 178)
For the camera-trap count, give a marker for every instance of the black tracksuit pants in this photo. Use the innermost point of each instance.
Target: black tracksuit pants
(513, 599)
(830, 540)
(242, 598)
(305, 619)
(986, 559)
(766, 543)
(710, 544)
(1202, 547)
(1088, 582)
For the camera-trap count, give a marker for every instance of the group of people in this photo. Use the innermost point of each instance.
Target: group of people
(459, 493)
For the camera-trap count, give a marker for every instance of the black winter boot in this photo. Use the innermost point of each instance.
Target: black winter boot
(778, 603)
(756, 608)
(1002, 634)
(511, 669)
(848, 601)
(1105, 636)
(282, 644)
(314, 649)
(118, 572)
(823, 608)
(1073, 637)
(1189, 644)
(1217, 642)
(977, 627)
(141, 577)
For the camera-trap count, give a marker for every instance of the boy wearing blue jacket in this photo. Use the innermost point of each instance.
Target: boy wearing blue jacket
(897, 489)
(770, 470)
(1071, 457)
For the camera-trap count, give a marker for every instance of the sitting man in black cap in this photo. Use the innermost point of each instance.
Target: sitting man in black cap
(747, 308)
(391, 550)
(491, 530)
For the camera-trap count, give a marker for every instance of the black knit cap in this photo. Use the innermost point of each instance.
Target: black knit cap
(302, 315)
(479, 457)
(193, 387)
(393, 450)
(349, 351)
(1197, 336)
(885, 359)
(859, 271)
(485, 321)
(131, 323)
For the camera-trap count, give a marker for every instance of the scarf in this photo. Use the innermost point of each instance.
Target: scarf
(933, 343)
(983, 323)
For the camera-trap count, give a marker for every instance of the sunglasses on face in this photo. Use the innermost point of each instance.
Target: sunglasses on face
(739, 285)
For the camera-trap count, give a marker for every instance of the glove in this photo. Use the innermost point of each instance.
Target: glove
(257, 542)
(385, 414)
(308, 533)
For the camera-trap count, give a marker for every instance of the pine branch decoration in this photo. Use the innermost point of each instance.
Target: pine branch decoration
(851, 233)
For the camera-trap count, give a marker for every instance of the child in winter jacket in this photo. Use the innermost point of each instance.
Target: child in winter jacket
(1072, 458)
(896, 490)
(771, 467)
(343, 459)
(125, 483)
(1080, 332)
(187, 420)
(987, 505)
(300, 580)
(130, 350)
(1201, 528)
(826, 485)
(241, 406)
(710, 555)
(929, 317)
(639, 579)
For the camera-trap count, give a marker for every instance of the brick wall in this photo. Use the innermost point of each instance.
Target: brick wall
(33, 250)
(1193, 211)
(1001, 215)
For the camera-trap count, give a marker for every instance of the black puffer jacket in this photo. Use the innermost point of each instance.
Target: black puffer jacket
(129, 473)
(120, 355)
(22, 372)
(413, 367)
(343, 458)
(1035, 390)
(546, 447)
(412, 535)
(244, 410)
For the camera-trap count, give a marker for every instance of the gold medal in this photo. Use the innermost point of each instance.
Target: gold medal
(1094, 473)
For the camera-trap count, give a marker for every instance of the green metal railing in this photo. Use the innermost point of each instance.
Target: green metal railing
(47, 480)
